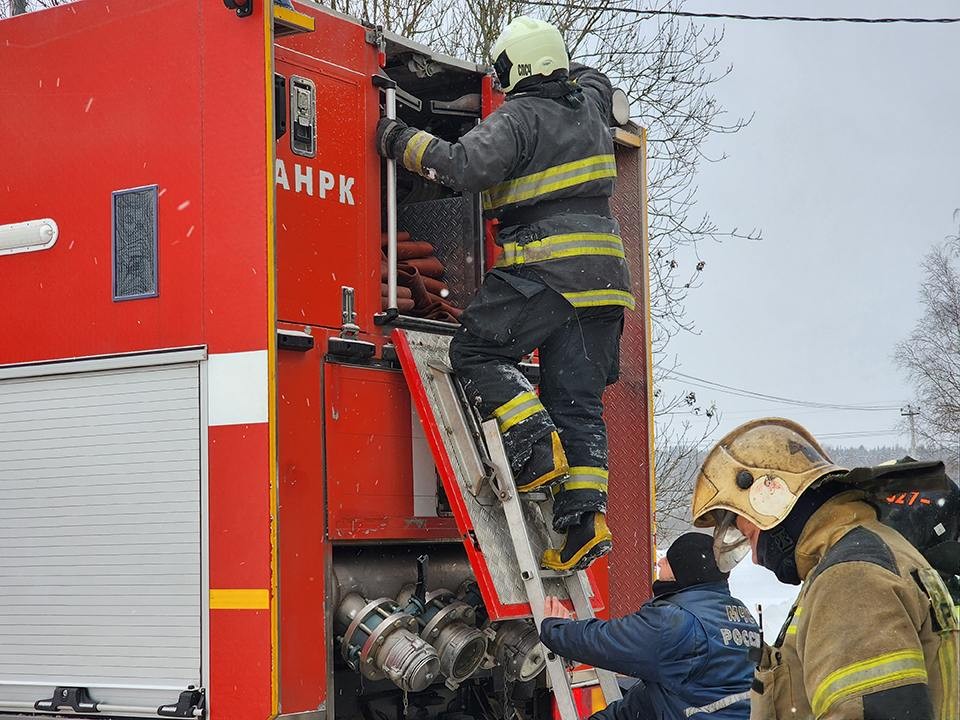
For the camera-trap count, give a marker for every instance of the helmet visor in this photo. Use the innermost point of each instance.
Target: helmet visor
(730, 546)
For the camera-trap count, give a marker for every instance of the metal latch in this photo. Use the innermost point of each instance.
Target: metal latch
(303, 116)
(190, 704)
(348, 344)
(75, 698)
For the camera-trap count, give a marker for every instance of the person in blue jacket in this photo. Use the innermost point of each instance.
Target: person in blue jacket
(688, 645)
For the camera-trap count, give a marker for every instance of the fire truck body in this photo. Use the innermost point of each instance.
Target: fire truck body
(207, 445)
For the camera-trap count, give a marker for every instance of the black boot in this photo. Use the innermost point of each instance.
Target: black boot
(586, 541)
(547, 465)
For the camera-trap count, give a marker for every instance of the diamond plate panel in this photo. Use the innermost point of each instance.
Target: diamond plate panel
(452, 226)
(626, 408)
(485, 510)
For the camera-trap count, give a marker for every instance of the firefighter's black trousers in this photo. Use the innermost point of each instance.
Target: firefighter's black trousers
(514, 314)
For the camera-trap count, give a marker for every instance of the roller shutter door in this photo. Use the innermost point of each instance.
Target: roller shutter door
(100, 535)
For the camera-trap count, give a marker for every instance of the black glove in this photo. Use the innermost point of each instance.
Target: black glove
(387, 132)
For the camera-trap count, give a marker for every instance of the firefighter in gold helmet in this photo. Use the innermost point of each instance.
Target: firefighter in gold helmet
(872, 634)
(544, 162)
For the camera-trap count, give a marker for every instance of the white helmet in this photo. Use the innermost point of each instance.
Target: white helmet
(528, 47)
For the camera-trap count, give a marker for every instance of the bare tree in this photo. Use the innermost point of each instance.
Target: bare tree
(931, 354)
(684, 428)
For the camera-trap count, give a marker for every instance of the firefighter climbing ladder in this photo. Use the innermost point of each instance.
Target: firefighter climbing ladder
(505, 532)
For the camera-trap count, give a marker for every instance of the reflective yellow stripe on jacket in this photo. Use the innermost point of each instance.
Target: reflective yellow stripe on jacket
(792, 627)
(596, 298)
(518, 409)
(903, 667)
(555, 247)
(558, 177)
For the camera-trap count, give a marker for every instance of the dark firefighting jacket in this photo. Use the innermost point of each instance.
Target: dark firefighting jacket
(546, 169)
(689, 648)
(872, 635)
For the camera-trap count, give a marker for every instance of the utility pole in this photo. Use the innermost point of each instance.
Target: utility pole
(911, 412)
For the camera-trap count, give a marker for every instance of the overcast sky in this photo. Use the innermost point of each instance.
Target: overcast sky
(851, 168)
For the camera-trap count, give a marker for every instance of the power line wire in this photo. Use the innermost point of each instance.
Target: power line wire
(738, 16)
(856, 434)
(743, 392)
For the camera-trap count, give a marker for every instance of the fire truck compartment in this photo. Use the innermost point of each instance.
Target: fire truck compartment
(441, 95)
(100, 520)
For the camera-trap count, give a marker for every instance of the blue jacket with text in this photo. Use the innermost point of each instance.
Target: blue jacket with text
(688, 647)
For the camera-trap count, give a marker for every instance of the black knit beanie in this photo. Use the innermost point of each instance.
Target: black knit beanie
(692, 561)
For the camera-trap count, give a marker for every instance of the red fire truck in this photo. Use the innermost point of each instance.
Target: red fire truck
(211, 457)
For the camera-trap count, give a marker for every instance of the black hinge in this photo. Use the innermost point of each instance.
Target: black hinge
(190, 702)
(294, 340)
(243, 7)
(75, 698)
(279, 105)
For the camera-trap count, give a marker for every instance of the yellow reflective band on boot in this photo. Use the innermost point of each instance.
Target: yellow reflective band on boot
(555, 247)
(904, 667)
(586, 478)
(524, 405)
(413, 152)
(550, 180)
(596, 298)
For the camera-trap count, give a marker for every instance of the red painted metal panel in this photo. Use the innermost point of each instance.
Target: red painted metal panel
(170, 94)
(303, 672)
(108, 96)
(239, 665)
(627, 411)
(369, 433)
(337, 40)
(239, 517)
(240, 640)
(328, 207)
(235, 175)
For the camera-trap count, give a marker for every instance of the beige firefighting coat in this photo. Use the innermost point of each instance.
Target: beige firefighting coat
(871, 618)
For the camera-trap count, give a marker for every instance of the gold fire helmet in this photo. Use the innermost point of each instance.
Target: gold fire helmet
(757, 470)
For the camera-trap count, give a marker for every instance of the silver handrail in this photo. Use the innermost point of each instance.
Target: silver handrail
(390, 106)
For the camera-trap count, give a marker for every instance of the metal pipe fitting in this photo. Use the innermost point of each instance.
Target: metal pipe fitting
(380, 641)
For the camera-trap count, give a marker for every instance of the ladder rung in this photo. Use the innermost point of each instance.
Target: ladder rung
(550, 574)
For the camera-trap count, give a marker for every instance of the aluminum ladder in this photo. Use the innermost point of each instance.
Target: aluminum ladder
(532, 575)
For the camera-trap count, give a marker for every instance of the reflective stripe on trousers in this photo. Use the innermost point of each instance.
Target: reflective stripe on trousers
(555, 178)
(585, 478)
(518, 409)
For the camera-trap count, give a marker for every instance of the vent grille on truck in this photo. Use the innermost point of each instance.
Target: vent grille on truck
(135, 243)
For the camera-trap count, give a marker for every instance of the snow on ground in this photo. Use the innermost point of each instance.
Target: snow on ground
(754, 584)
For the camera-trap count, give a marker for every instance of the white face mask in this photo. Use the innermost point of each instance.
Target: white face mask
(730, 546)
